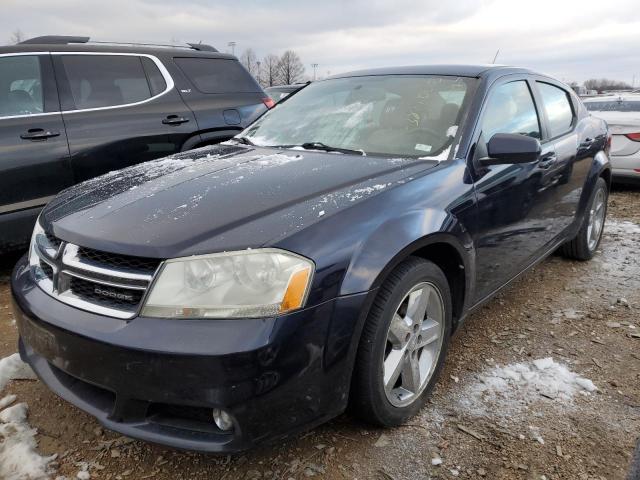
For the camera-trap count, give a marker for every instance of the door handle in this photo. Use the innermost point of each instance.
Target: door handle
(174, 120)
(548, 160)
(38, 134)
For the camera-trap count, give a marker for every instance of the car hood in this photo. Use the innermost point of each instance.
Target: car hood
(218, 198)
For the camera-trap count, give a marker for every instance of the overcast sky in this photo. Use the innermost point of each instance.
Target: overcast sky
(572, 40)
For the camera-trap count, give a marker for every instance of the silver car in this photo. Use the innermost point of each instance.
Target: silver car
(622, 113)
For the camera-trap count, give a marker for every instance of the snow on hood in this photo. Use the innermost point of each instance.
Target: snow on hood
(172, 202)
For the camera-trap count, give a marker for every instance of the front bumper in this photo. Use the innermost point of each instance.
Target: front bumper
(158, 380)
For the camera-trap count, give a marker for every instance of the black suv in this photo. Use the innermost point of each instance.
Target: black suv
(72, 109)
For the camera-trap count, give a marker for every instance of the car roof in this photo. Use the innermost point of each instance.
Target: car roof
(474, 71)
(180, 51)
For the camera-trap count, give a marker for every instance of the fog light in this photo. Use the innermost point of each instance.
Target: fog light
(222, 419)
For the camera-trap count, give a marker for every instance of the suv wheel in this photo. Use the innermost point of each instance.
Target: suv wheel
(403, 344)
(585, 243)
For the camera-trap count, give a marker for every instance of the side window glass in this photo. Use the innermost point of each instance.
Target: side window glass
(557, 107)
(105, 80)
(510, 109)
(156, 80)
(20, 86)
(217, 75)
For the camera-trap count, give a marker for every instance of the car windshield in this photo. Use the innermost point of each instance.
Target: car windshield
(394, 115)
(614, 106)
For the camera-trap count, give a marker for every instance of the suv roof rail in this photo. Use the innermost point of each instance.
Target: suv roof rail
(203, 47)
(66, 39)
(55, 40)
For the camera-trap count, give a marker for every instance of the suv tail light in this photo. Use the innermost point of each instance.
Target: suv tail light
(633, 136)
(268, 101)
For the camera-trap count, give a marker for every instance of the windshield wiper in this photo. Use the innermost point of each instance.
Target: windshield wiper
(328, 148)
(244, 140)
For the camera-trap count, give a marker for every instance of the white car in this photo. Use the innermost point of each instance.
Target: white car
(622, 113)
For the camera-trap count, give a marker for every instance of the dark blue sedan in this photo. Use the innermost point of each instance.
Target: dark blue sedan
(243, 292)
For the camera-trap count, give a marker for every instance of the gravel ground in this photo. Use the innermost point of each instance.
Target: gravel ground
(583, 315)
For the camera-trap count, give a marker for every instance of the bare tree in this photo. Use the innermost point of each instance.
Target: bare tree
(270, 71)
(250, 61)
(605, 84)
(16, 37)
(290, 67)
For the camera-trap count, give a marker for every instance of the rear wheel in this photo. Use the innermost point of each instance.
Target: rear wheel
(586, 242)
(403, 344)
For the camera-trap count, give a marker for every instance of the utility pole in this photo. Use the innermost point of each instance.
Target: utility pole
(233, 47)
(315, 66)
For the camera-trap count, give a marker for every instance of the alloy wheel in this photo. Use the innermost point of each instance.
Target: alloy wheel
(596, 219)
(414, 341)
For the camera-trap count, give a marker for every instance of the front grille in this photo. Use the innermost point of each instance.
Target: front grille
(111, 297)
(46, 269)
(53, 241)
(101, 282)
(119, 262)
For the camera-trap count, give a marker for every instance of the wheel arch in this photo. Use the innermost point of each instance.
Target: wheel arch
(446, 252)
(436, 236)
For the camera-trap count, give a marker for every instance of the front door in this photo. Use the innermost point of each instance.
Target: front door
(513, 199)
(34, 155)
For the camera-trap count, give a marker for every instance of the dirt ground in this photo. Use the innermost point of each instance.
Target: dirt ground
(584, 315)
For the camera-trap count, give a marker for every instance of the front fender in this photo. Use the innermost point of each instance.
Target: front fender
(399, 237)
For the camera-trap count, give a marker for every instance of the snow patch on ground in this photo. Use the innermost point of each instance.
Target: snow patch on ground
(12, 368)
(507, 390)
(621, 228)
(19, 459)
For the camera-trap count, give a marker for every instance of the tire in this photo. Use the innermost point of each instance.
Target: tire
(583, 246)
(402, 291)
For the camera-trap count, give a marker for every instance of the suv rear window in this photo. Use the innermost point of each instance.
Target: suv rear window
(217, 75)
(105, 80)
(613, 106)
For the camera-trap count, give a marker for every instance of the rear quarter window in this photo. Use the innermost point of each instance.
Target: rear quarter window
(217, 75)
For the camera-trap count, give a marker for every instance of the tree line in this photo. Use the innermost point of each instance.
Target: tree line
(603, 85)
(272, 69)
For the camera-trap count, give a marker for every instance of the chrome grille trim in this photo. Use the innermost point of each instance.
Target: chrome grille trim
(104, 282)
(103, 288)
(71, 258)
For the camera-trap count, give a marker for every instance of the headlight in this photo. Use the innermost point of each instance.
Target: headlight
(250, 283)
(36, 236)
(40, 243)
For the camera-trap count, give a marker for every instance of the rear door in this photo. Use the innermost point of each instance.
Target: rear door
(565, 177)
(34, 156)
(222, 94)
(119, 109)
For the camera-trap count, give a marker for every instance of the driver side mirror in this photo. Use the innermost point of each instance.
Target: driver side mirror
(508, 148)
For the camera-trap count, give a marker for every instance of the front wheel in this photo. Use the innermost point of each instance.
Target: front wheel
(585, 243)
(403, 344)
